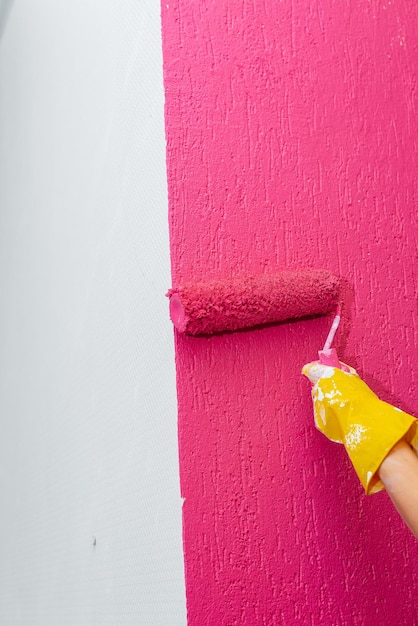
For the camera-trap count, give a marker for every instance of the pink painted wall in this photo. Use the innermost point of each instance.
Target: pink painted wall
(292, 134)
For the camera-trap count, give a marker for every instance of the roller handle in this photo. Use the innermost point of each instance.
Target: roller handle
(330, 357)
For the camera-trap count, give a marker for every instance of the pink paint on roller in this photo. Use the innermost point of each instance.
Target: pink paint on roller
(216, 306)
(291, 142)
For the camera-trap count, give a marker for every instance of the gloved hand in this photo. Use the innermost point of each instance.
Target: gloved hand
(347, 411)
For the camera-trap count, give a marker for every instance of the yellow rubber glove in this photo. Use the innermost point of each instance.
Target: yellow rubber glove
(347, 411)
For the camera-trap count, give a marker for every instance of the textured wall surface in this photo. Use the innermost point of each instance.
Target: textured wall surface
(90, 523)
(292, 140)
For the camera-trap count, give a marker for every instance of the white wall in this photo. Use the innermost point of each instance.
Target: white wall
(90, 525)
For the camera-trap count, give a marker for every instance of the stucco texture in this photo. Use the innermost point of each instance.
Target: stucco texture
(292, 141)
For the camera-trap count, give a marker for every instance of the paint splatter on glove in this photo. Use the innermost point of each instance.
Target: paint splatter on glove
(347, 411)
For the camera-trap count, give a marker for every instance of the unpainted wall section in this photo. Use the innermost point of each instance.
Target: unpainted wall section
(90, 524)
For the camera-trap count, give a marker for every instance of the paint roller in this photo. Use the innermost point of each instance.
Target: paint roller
(243, 302)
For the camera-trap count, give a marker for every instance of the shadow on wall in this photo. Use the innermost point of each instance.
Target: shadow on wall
(5, 6)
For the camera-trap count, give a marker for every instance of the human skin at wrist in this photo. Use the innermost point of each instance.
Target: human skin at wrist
(399, 474)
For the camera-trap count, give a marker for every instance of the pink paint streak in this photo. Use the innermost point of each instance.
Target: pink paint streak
(292, 140)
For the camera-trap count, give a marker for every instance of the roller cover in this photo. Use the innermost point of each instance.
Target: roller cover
(217, 306)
